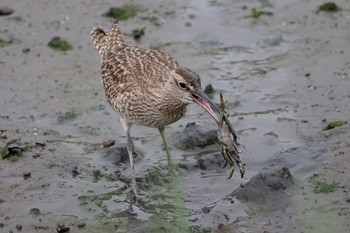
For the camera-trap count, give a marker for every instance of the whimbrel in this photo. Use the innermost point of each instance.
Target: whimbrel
(146, 86)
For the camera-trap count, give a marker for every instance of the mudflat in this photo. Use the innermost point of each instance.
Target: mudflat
(283, 66)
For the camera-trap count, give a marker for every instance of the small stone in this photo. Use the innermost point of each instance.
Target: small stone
(19, 227)
(201, 164)
(81, 225)
(4, 10)
(27, 175)
(108, 143)
(26, 50)
(138, 33)
(195, 135)
(206, 209)
(75, 172)
(192, 16)
(62, 229)
(34, 211)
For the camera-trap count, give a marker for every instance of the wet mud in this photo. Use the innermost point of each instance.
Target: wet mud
(281, 65)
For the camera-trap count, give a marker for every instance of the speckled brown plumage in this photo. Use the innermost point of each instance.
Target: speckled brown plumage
(138, 81)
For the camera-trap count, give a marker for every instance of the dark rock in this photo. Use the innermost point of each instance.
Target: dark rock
(201, 164)
(195, 135)
(26, 175)
(81, 225)
(4, 10)
(41, 144)
(34, 211)
(138, 33)
(206, 209)
(269, 187)
(210, 162)
(26, 50)
(62, 229)
(119, 154)
(108, 143)
(75, 171)
(188, 24)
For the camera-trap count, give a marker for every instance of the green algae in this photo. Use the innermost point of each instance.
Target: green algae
(59, 44)
(324, 187)
(124, 12)
(334, 124)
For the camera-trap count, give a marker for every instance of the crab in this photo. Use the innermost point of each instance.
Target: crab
(227, 138)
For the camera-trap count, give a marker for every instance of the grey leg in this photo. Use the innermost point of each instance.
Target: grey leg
(130, 149)
(170, 160)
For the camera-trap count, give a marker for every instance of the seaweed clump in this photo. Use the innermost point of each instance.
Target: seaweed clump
(59, 44)
(324, 187)
(329, 7)
(124, 12)
(209, 89)
(334, 124)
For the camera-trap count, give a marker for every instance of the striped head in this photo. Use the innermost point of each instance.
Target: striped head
(189, 90)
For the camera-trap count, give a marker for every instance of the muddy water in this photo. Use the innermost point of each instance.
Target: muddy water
(271, 70)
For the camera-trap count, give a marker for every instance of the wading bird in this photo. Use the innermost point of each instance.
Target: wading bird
(146, 86)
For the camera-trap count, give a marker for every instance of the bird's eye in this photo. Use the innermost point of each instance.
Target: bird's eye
(182, 85)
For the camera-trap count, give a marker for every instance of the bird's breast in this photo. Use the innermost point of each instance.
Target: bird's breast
(148, 110)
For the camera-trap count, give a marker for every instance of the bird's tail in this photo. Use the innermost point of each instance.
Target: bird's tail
(101, 38)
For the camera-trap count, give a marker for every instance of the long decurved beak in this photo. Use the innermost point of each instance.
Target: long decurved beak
(202, 99)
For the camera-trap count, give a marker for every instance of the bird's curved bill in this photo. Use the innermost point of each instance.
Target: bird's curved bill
(202, 99)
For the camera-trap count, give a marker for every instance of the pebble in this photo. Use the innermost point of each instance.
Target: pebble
(27, 175)
(34, 211)
(62, 229)
(4, 10)
(19, 227)
(81, 225)
(108, 143)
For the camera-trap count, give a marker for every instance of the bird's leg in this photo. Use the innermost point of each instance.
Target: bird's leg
(170, 160)
(130, 149)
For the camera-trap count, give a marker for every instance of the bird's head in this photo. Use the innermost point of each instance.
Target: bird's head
(190, 90)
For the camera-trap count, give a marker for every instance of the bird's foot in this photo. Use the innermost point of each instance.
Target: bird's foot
(131, 193)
